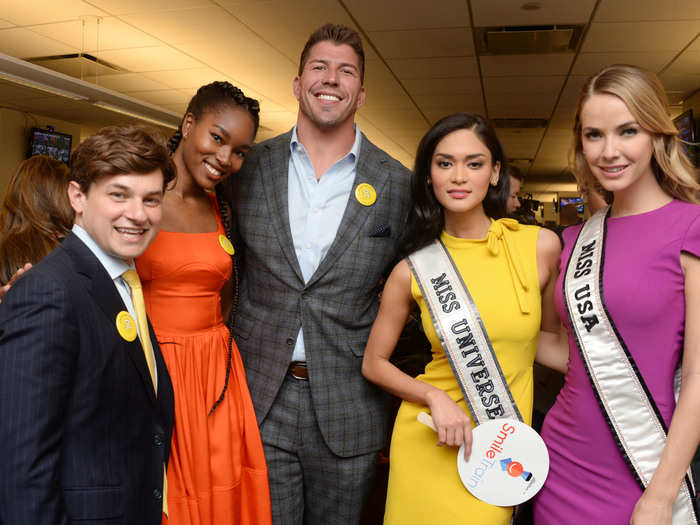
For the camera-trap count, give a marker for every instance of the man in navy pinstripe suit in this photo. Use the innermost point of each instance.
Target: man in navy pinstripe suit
(84, 436)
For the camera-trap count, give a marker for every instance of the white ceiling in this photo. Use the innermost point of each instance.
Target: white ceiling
(421, 61)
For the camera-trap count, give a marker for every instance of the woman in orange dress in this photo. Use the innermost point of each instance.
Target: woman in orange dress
(217, 472)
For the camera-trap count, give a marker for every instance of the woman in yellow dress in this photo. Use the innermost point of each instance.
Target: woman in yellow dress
(459, 191)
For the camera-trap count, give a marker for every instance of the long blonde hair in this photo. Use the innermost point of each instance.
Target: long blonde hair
(36, 213)
(645, 97)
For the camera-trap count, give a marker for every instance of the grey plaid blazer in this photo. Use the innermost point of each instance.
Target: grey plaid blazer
(336, 307)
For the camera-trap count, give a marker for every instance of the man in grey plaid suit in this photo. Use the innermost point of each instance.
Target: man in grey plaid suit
(319, 212)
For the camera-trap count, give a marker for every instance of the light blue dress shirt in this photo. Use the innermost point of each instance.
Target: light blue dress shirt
(316, 208)
(115, 267)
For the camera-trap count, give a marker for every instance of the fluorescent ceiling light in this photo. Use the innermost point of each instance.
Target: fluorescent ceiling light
(41, 87)
(134, 114)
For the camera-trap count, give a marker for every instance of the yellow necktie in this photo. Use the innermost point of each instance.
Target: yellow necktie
(132, 279)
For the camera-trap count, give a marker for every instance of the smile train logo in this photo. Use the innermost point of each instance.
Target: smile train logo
(515, 469)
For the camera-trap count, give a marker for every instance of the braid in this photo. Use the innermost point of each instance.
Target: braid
(174, 141)
(220, 93)
(210, 97)
(226, 221)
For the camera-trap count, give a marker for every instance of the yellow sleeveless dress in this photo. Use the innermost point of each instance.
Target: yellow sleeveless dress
(501, 274)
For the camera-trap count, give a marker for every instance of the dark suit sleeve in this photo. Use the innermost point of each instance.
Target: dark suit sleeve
(38, 353)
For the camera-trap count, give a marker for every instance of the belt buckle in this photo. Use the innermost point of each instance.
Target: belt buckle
(293, 366)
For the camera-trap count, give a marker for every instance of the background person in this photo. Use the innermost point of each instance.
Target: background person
(459, 191)
(515, 177)
(35, 216)
(217, 473)
(625, 141)
(85, 399)
(319, 212)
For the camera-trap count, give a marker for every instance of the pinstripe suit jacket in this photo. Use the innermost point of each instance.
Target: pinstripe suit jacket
(336, 307)
(83, 438)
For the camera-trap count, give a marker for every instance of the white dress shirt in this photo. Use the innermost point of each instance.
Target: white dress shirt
(316, 207)
(115, 267)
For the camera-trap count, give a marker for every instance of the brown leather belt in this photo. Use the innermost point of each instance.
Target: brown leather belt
(298, 370)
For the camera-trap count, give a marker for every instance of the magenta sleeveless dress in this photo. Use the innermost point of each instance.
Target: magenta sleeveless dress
(643, 286)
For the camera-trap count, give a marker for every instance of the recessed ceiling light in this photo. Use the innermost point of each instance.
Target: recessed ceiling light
(531, 6)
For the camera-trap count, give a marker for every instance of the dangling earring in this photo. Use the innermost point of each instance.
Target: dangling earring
(430, 181)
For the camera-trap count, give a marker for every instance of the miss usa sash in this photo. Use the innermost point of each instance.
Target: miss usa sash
(631, 413)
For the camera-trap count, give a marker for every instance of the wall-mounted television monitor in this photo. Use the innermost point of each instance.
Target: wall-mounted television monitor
(51, 143)
(567, 201)
(686, 131)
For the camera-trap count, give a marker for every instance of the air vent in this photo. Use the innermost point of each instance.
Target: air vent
(519, 123)
(78, 65)
(523, 40)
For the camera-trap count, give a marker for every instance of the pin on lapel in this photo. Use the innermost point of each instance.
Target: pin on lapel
(365, 194)
(126, 326)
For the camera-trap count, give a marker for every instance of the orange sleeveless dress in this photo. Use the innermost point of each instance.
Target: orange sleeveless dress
(217, 472)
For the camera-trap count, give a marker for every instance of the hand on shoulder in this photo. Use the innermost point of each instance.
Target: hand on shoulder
(5, 288)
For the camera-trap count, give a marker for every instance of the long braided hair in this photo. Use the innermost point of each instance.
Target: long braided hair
(208, 98)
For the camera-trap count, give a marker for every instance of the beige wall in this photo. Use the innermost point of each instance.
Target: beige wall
(14, 137)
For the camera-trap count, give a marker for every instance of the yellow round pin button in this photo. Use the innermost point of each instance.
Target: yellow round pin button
(365, 194)
(126, 326)
(226, 244)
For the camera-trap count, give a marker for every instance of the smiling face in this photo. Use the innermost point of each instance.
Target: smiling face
(215, 145)
(121, 213)
(616, 148)
(461, 171)
(329, 89)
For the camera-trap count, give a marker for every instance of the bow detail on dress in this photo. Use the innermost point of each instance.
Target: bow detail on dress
(499, 237)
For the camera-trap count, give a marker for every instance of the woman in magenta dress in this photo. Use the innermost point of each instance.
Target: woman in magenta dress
(217, 472)
(626, 145)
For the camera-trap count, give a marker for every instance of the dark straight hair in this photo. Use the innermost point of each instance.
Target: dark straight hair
(426, 218)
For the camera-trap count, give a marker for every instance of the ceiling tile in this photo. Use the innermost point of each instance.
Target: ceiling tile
(287, 25)
(591, 63)
(390, 15)
(122, 7)
(639, 36)
(471, 106)
(695, 45)
(520, 143)
(125, 82)
(530, 65)
(184, 78)
(23, 43)
(456, 102)
(687, 84)
(161, 96)
(687, 63)
(569, 95)
(519, 105)
(648, 10)
(142, 59)
(550, 85)
(437, 67)
(509, 13)
(33, 12)
(424, 43)
(443, 86)
(109, 33)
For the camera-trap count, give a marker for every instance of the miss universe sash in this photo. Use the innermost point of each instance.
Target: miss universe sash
(509, 461)
(631, 413)
(462, 335)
